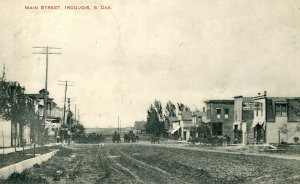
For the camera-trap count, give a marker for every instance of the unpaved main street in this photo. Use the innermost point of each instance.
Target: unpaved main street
(137, 163)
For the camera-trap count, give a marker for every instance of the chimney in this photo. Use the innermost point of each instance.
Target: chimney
(203, 109)
(265, 93)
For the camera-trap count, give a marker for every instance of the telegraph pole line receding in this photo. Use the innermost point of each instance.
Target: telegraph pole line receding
(46, 52)
(65, 98)
(75, 114)
(70, 122)
(118, 125)
(78, 117)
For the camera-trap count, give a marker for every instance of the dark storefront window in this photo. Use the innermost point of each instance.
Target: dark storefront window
(217, 129)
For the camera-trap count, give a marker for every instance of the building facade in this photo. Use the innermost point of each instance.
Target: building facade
(276, 119)
(188, 123)
(243, 118)
(54, 114)
(219, 116)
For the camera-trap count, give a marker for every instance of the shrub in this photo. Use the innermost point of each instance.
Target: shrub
(25, 177)
(64, 152)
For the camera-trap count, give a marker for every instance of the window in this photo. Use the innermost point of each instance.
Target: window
(218, 113)
(281, 109)
(284, 110)
(199, 120)
(261, 109)
(217, 128)
(226, 113)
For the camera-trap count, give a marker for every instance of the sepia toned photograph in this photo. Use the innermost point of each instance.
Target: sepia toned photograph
(149, 91)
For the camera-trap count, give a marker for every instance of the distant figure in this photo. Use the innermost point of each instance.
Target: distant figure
(115, 137)
(118, 139)
(227, 140)
(137, 138)
(126, 138)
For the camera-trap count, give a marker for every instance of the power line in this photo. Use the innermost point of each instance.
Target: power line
(65, 83)
(46, 52)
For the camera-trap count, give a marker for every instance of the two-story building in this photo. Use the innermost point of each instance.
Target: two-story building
(219, 116)
(54, 114)
(188, 123)
(243, 118)
(276, 119)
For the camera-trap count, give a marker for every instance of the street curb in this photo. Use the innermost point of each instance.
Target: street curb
(19, 167)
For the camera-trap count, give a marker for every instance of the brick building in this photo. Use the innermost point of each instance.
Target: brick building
(219, 116)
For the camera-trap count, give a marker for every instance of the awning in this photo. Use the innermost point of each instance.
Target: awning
(52, 120)
(236, 123)
(175, 129)
(255, 123)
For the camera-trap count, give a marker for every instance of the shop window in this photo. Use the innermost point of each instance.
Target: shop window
(281, 109)
(217, 129)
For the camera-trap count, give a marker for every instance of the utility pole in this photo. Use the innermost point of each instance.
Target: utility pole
(118, 126)
(70, 120)
(69, 142)
(65, 83)
(75, 113)
(46, 52)
(66, 87)
(78, 117)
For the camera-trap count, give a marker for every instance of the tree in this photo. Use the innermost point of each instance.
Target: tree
(4, 102)
(154, 124)
(15, 106)
(159, 111)
(204, 131)
(170, 109)
(4, 98)
(78, 132)
(182, 107)
(204, 134)
(18, 107)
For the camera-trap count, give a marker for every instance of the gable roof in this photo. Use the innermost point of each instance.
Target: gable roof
(199, 113)
(186, 115)
(172, 119)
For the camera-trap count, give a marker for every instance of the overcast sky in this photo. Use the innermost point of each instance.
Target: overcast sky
(122, 59)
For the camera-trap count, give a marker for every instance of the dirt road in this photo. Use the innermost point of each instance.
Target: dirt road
(136, 163)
